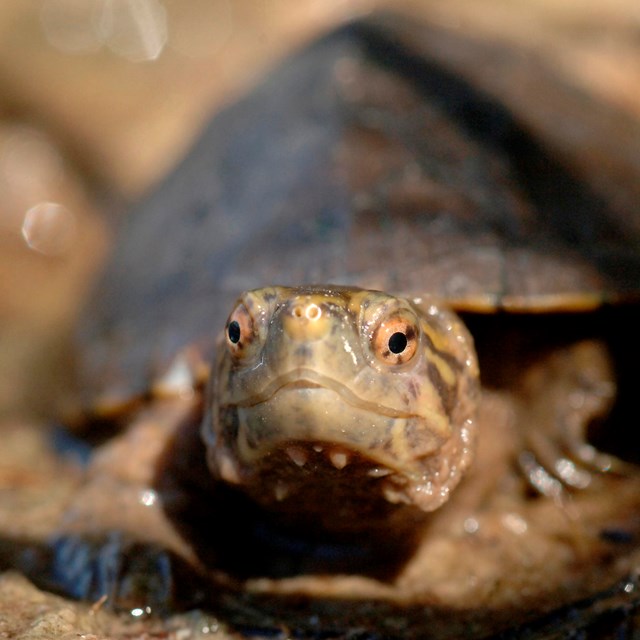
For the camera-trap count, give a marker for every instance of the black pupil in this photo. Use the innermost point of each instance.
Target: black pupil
(233, 331)
(397, 342)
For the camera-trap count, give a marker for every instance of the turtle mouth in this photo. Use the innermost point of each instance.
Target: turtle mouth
(303, 413)
(307, 379)
(304, 430)
(304, 426)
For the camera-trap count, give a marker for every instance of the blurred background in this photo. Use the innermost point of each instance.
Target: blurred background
(100, 98)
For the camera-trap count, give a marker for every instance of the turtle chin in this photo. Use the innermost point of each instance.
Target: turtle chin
(306, 442)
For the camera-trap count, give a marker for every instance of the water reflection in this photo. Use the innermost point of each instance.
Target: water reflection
(44, 211)
(31, 170)
(133, 29)
(49, 228)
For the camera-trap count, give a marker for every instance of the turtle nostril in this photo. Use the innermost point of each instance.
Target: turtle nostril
(310, 311)
(313, 312)
(305, 321)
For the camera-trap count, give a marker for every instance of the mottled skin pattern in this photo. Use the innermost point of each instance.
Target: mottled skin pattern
(311, 371)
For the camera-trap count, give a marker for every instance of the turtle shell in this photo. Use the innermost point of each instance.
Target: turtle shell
(364, 160)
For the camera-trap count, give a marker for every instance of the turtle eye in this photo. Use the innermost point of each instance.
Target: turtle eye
(240, 331)
(233, 332)
(395, 340)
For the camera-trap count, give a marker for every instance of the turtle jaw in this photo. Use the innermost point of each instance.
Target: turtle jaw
(302, 378)
(305, 428)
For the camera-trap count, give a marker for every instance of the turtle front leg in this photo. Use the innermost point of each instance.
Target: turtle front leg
(117, 571)
(115, 539)
(119, 492)
(561, 395)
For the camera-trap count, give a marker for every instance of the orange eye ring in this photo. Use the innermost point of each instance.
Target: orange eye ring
(395, 340)
(240, 331)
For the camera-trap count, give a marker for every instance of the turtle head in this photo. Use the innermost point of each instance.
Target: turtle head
(348, 393)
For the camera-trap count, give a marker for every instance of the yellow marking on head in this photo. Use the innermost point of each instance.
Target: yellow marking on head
(439, 340)
(354, 303)
(446, 372)
(399, 442)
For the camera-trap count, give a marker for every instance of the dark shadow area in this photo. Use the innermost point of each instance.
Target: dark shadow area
(230, 532)
(508, 343)
(620, 434)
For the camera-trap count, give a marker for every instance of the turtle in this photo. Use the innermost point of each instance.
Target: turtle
(419, 414)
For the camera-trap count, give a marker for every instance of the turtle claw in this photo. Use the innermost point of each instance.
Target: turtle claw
(123, 574)
(539, 478)
(562, 396)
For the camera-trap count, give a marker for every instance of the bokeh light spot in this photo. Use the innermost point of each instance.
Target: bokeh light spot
(49, 228)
